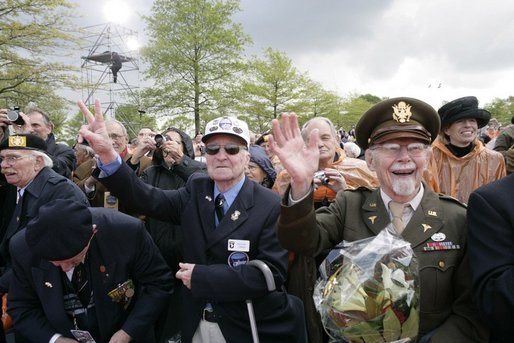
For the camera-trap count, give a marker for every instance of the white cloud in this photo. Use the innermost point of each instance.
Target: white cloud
(383, 47)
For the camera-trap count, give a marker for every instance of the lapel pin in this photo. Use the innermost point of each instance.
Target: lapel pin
(426, 227)
(48, 284)
(373, 204)
(208, 198)
(235, 215)
(438, 237)
(432, 213)
(372, 219)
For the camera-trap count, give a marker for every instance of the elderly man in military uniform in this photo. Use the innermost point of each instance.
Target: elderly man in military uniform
(397, 134)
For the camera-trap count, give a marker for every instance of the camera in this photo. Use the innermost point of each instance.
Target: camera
(320, 175)
(159, 139)
(14, 116)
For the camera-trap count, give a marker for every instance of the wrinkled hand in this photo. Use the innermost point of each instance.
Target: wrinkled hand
(120, 337)
(185, 273)
(336, 180)
(96, 133)
(300, 160)
(172, 150)
(63, 339)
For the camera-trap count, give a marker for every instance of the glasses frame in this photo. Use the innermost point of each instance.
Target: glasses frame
(230, 148)
(11, 160)
(394, 149)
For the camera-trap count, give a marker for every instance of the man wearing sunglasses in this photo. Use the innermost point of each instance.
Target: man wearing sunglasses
(220, 236)
(397, 134)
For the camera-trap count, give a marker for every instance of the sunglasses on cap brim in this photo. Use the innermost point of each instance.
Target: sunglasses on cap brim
(231, 149)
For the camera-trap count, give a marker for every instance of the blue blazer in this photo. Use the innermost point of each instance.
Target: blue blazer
(251, 218)
(120, 250)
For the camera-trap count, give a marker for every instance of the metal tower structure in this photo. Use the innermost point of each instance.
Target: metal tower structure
(108, 49)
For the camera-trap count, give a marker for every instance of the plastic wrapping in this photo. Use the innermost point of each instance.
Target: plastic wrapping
(369, 290)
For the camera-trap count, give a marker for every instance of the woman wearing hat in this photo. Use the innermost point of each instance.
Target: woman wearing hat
(461, 162)
(260, 168)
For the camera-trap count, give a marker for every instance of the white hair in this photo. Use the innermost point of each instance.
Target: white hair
(47, 160)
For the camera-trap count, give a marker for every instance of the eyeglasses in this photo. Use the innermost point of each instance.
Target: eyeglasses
(393, 150)
(231, 149)
(115, 137)
(12, 159)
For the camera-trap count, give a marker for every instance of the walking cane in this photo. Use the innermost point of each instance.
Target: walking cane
(270, 283)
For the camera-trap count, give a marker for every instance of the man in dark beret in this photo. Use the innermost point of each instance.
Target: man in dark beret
(32, 183)
(461, 162)
(397, 134)
(92, 272)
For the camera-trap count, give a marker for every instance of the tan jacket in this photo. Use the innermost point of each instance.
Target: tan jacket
(354, 170)
(459, 176)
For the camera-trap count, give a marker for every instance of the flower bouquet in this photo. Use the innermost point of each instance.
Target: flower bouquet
(369, 290)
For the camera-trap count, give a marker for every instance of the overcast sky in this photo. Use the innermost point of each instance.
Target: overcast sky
(435, 50)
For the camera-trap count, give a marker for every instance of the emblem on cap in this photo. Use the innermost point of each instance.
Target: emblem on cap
(401, 112)
(17, 141)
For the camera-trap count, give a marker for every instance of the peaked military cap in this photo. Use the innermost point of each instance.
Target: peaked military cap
(397, 118)
(465, 107)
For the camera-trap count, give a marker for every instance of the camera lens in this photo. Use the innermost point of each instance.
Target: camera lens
(14, 117)
(158, 140)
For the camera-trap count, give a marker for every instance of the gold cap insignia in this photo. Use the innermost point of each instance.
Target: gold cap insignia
(426, 227)
(401, 112)
(17, 141)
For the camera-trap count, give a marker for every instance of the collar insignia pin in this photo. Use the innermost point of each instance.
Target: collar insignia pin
(372, 219)
(48, 284)
(235, 215)
(426, 227)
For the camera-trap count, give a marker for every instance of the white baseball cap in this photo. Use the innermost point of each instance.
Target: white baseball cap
(229, 126)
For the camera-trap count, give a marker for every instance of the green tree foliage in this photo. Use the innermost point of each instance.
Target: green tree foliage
(502, 109)
(194, 53)
(34, 37)
(353, 108)
(271, 86)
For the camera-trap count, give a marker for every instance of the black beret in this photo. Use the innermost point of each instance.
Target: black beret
(61, 230)
(397, 118)
(24, 141)
(466, 107)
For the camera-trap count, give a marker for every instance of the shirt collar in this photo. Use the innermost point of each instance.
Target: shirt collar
(414, 203)
(231, 194)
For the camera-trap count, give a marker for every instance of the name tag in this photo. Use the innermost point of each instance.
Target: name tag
(238, 245)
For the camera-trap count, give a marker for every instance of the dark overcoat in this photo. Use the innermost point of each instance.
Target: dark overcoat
(120, 250)
(491, 255)
(252, 218)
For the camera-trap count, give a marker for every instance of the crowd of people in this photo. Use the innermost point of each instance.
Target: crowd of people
(154, 241)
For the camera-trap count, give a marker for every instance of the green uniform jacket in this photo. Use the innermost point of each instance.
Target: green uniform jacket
(445, 280)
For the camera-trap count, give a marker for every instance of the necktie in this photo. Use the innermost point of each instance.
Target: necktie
(397, 211)
(218, 203)
(80, 282)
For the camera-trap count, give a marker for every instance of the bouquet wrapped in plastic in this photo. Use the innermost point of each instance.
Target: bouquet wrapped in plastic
(369, 290)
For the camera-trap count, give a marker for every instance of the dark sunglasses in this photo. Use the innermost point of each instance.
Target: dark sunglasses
(231, 149)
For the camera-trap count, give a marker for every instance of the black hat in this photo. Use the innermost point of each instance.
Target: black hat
(263, 138)
(61, 230)
(25, 141)
(397, 118)
(466, 107)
